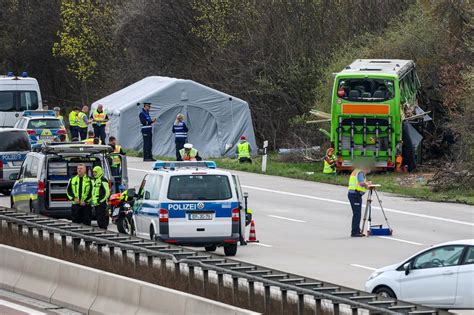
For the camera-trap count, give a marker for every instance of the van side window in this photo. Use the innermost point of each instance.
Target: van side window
(23, 167)
(149, 190)
(141, 191)
(34, 167)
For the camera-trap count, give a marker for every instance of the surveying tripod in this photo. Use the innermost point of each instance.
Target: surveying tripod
(368, 214)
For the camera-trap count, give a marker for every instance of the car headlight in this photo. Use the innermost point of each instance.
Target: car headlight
(375, 274)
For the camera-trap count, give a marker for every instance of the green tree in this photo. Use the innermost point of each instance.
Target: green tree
(84, 38)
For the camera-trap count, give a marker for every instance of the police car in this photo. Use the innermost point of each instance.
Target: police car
(14, 146)
(41, 126)
(191, 204)
(41, 185)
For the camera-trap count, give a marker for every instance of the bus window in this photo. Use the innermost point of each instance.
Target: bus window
(7, 101)
(28, 100)
(365, 89)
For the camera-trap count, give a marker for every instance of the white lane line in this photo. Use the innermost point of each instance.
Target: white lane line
(260, 244)
(283, 218)
(347, 203)
(363, 267)
(400, 240)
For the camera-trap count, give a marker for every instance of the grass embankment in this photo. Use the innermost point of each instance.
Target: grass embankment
(406, 184)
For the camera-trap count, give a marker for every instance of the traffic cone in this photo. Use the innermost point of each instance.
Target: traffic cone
(253, 234)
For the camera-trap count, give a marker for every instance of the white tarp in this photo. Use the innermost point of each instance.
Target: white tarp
(215, 120)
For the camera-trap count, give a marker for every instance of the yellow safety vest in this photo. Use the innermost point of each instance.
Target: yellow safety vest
(98, 117)
(89, 141)
(116, 160)
(327, 166)
(354, 182)
(80, 120)
(191, 155)
(243, 149)
(73, 119)
(86, 188)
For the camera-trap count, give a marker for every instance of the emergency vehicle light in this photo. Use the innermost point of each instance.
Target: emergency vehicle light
(24, 74)
(10, 74)
(31, 113)
(172, 165)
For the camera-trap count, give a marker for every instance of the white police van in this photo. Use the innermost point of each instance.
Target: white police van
(191, 204)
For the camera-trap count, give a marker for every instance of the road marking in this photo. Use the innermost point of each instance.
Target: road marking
(260, 244)
(347, 203)
(283, 218)
(363, 267)
(400, 240)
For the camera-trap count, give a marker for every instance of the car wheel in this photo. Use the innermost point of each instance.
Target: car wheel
(210, 248)
(6, 192)
(12, 203)
(32, 210)
(152, 233)
(385, 292)
(230, 250)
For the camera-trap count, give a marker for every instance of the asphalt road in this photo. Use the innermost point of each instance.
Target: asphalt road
(304, 227)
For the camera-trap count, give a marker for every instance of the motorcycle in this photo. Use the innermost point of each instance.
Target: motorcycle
(121, 205)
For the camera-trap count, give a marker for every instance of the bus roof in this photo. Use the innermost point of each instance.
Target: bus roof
(383, 66)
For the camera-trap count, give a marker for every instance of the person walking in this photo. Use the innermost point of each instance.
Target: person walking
(329, 162)
(357, 187)
(100, 197)
(73, 122)
(79, 191)
(99, 118)
(188, 153)
(82, 122)
(147, 131)
(243, 150)
(57, 114)
(180, 131)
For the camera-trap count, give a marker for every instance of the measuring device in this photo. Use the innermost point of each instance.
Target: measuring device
(377, 229)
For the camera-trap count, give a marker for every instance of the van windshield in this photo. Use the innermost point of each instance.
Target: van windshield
(14, 141)
(199, 187)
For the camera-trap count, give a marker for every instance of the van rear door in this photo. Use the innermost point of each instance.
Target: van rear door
(200, 206)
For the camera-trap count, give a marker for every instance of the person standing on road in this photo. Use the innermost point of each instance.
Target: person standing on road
(99, 118)
(243, 150)
(357, 187)
(147, 131)
(79, 191)
(180, 131)
(57, 114)
(329, 162)
(82, 122)
(73, 122)
(100, 196)
(116, 156)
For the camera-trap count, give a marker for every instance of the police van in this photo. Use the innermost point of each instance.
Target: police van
(191, 204)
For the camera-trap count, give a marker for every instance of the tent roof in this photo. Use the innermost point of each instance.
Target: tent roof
(144, 89)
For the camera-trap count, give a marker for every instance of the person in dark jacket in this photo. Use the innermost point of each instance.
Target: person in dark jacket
(100, 197)
(180, 131)
(147, 131)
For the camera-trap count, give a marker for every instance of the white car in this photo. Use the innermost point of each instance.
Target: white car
(441, 276)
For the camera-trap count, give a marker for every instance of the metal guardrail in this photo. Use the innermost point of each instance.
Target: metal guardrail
(267, 277)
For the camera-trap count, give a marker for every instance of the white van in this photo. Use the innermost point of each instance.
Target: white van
(191, 204)
(17, 94)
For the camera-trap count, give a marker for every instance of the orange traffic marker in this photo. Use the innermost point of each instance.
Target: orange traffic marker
(253, 234)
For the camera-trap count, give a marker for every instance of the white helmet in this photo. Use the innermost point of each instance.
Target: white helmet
(188, 146)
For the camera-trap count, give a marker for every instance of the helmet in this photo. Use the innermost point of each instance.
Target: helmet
(188, 146)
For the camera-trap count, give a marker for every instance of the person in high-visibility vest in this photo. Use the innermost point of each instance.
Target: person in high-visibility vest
(357, 187)
(73, 123)
(329, 162)
(188, 153)
(79, 191)
(116, 162)
(100, 196)
(99, 119)
(83, 122)
(91, 139)
(243, 150)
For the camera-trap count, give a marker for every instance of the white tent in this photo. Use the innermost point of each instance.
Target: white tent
(215, 120)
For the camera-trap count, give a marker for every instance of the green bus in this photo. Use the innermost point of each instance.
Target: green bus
(373, 101)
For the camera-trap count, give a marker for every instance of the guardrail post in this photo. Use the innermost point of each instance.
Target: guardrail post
(235, 290)
(300, 304)
(176, 271)
(51, 239)
(317, 301)
(75, 244)
(99, 250)
(40, 234)
(137, 260)
(190, 277)
(335, 307)
(124, 255)
(355, 311)
(150, 261)
(220, 284)
(88, 245)
(20, 229)
(63, 242)
(284, 300)
(162, 267)
(251, 294)
(111, 252)
(267, 298)
(30, 231)
(205, 282)
(10, 227)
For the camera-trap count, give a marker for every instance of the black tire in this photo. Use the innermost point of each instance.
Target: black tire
(32, 209)
(152, 233)
(6, 192)
(210, 248)
(385, 292)
(408, 152)
(122, 226)
(12, 203)
(230, 250)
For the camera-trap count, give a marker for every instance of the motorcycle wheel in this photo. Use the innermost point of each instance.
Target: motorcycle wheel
(124, 227)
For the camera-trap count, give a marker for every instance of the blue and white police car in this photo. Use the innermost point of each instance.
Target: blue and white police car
(41, 125)
(191, 204)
